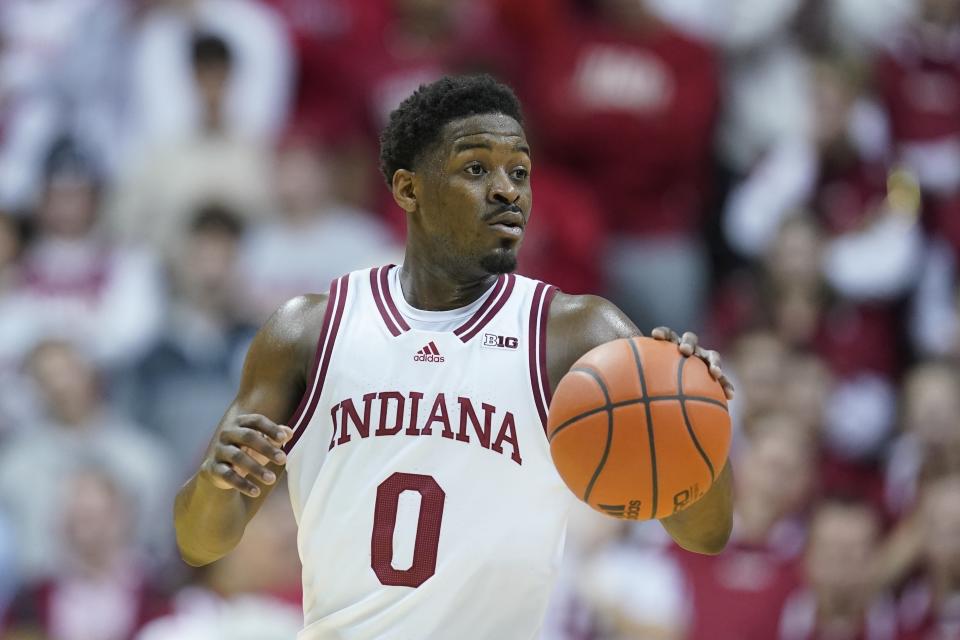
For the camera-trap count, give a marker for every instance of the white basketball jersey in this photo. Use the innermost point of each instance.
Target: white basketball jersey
(419, 471)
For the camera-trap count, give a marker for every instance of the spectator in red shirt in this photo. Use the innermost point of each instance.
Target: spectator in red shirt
(417, 43)
(930, 605)
(837, 600)
(918, 76)
(858, 208)
(737, 595)
(327, 36)
(628, 103)
(790, 294)
(568, 233)
(919, 81)
(102, 589)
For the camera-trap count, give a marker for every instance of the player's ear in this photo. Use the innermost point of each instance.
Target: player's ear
(404, 191)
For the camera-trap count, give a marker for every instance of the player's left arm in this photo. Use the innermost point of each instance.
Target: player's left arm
(576, 325)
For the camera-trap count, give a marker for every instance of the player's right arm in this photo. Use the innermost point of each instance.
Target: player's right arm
(245, 459)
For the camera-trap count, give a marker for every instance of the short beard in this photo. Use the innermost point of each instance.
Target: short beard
(500, 261)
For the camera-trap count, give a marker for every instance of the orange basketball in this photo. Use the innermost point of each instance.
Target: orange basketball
(637, 430)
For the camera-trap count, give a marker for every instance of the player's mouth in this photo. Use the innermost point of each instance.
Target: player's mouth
(507, 223)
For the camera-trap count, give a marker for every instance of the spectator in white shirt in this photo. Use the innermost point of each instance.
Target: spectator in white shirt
(72, 282)
(209, 161)
(76, 425)
(165, 99)
(312, 238)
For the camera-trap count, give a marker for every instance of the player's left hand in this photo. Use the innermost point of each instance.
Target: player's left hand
(688, 344)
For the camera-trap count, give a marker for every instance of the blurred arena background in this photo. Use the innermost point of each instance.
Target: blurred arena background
(781, 176)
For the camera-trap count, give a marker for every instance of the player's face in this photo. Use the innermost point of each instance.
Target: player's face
(474, 197)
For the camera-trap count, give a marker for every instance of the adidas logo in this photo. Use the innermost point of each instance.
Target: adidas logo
(615, 510)
(621, 510)
(429, 353)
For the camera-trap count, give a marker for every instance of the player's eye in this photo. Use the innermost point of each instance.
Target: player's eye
(520, 173)
(475, 170)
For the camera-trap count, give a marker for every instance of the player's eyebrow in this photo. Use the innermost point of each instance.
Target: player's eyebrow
(466, 146)
(460, 147)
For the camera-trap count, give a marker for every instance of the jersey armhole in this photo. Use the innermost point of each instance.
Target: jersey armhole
(537, 346)
(332, 317)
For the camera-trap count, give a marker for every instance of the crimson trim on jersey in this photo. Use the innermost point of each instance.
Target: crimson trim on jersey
(391, 305)
(396, 324)
(328, 336)
(537, 349)
(488, 309)
(468, 324)
(542, 343)
(381, 295)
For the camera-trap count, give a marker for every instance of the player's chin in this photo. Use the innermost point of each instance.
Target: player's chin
(500, 260)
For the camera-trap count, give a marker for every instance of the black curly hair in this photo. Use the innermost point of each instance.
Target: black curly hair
(415, 125)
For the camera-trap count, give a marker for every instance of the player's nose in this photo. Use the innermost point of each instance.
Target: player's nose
(502, 189)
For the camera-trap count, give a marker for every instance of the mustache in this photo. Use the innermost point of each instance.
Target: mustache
(507, 208)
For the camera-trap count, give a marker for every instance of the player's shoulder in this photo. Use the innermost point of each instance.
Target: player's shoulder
(300, 314)
(284, 347)
(295, 326)
(578, 323)
(588, 314)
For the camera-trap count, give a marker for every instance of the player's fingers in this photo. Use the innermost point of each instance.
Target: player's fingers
(728, 389)
(277, 432)
(689, 343)
(714, 362)
(261, 459)
(240, 460)
(665, 333)
(225, 477)
(256, 441)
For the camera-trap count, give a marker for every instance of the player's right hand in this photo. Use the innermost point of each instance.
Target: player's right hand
(242, 452)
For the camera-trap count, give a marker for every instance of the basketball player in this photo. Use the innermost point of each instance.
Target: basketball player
(407, 406)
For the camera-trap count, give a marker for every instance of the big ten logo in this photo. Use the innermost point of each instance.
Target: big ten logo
(683, 499)
(633, 510)
(500, 342)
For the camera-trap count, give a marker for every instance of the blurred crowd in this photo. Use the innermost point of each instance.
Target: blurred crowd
(781, 176)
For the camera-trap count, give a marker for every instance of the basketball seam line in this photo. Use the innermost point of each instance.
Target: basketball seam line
(606, 450)
(627, 403)
(653, 444)
(686, 420)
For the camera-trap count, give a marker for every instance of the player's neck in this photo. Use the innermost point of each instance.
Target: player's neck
(431, 287)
